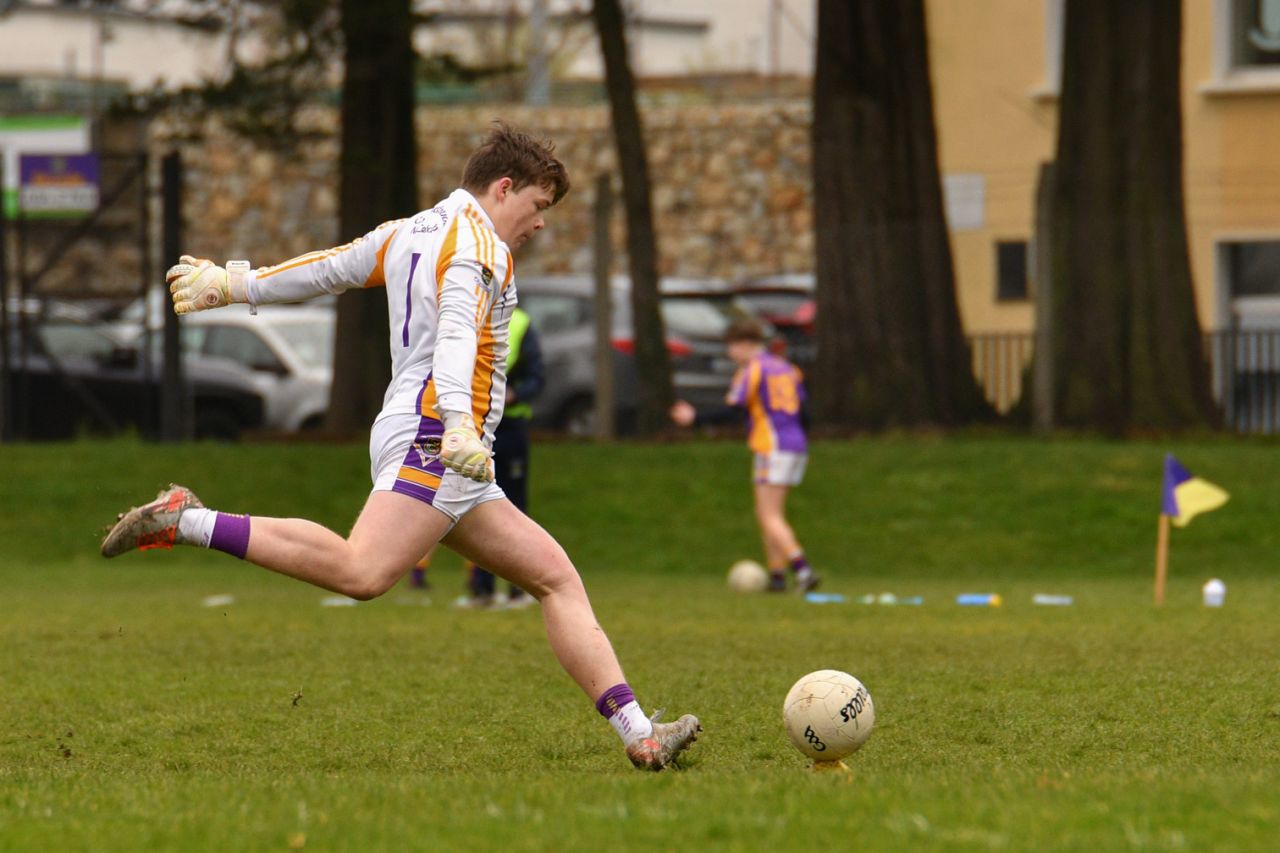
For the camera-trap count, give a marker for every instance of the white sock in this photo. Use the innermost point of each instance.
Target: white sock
(631, 724)
(195, 526)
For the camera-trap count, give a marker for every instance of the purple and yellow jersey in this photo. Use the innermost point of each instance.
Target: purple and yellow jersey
(450, 291)
(772, 391)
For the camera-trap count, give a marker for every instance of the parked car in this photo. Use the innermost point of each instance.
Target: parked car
(696, 313)
(74, 378)
(788, 302)
(284, 351)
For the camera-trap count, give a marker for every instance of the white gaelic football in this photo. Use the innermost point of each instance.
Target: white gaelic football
(828, 715)
(748, 576)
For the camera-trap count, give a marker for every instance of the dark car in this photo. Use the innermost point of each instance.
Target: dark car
(696, 313)
(76, 379)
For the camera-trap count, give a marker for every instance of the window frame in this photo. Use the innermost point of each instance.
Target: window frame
(1025, 242)
(1229, 78)
(1227, 303)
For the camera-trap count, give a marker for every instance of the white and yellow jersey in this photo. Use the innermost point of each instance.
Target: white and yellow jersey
(450, 291)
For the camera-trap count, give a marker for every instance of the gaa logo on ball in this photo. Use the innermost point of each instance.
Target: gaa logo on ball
(829, 715)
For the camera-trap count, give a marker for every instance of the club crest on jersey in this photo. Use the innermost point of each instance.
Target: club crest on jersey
(428, 450)
(486, 275)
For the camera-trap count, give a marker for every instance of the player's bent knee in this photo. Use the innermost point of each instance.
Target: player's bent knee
(370, 583)
(560, 580)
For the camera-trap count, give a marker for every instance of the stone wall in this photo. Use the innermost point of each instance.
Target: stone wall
(731, 186)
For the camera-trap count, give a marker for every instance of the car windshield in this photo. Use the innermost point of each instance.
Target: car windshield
(696, 317)
(556, 312)
(312, 340)
(70, 341)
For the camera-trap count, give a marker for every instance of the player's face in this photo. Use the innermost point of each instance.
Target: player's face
(741, 352)
(520, 213)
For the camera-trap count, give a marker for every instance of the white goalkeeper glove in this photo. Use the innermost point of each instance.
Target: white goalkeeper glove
(198, 285)
(461, 449)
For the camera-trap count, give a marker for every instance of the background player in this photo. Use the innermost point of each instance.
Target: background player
(771, 389)
(450, 291)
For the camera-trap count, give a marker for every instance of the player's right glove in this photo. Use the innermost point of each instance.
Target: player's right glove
(198, 285)
(461, 449)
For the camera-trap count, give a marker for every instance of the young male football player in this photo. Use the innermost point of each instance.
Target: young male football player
(771, 389)
(450, 289)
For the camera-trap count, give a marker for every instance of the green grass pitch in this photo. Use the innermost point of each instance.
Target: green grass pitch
(132, 717)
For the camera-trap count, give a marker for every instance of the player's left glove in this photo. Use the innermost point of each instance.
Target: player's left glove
(198, 285)
(461, 449)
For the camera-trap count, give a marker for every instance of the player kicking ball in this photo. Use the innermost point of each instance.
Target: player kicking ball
(771, 390)
(451, 293)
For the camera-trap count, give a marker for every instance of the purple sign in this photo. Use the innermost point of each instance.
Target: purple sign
(58, 184)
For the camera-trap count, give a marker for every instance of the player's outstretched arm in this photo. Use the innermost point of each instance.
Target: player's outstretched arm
(197, 284)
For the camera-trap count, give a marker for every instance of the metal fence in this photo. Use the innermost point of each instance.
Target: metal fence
(1244, 371)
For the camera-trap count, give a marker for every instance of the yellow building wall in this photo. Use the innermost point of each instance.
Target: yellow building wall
(996, 115)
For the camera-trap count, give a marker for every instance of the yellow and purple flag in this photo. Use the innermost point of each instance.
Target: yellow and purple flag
(1186, 496)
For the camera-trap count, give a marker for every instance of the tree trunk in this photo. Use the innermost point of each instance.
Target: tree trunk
(652, 362)
(1128, 350)
(891, 351)
(378, 179)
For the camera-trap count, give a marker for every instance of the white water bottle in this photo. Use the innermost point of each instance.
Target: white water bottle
(1215, 592)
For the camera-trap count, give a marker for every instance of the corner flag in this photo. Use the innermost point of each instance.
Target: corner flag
(1186, 496)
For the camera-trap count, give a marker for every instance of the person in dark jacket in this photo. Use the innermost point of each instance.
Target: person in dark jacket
(526, 376)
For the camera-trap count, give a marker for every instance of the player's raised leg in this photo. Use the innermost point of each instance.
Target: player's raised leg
(497, 535)
(392, 532)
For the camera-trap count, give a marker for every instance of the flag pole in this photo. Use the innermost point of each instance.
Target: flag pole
(1162, 557)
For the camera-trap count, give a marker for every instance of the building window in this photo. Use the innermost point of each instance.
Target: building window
(1253, 269)
(1246, 45)
(1011, 270)
(1255, 34)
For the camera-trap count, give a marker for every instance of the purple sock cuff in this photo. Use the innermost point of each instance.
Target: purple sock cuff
(614, 698)
(230, 534)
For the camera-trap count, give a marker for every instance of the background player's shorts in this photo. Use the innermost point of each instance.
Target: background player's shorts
(780, 468)
(404, 455)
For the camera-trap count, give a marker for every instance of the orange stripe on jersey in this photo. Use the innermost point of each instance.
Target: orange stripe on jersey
(484, 238)
(511, 271)
(762, 438)
(378, 278)
(448, 249)
(422, 478)
(311, 257)
(294, 263)
(427, 400)
(482, 376)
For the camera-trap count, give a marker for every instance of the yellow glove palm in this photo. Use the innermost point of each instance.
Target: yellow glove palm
(461, 449)
(197, 284)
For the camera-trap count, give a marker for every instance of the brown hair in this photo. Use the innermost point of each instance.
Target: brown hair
(744, 329)
(509, 153)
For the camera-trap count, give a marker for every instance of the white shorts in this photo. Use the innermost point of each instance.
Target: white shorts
(780, 468)
(404, 457)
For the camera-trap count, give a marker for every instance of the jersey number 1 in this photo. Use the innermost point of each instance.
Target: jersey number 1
(408, 299)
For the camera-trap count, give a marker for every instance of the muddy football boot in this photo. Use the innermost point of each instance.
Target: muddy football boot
(664, 746)
(153, 525)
